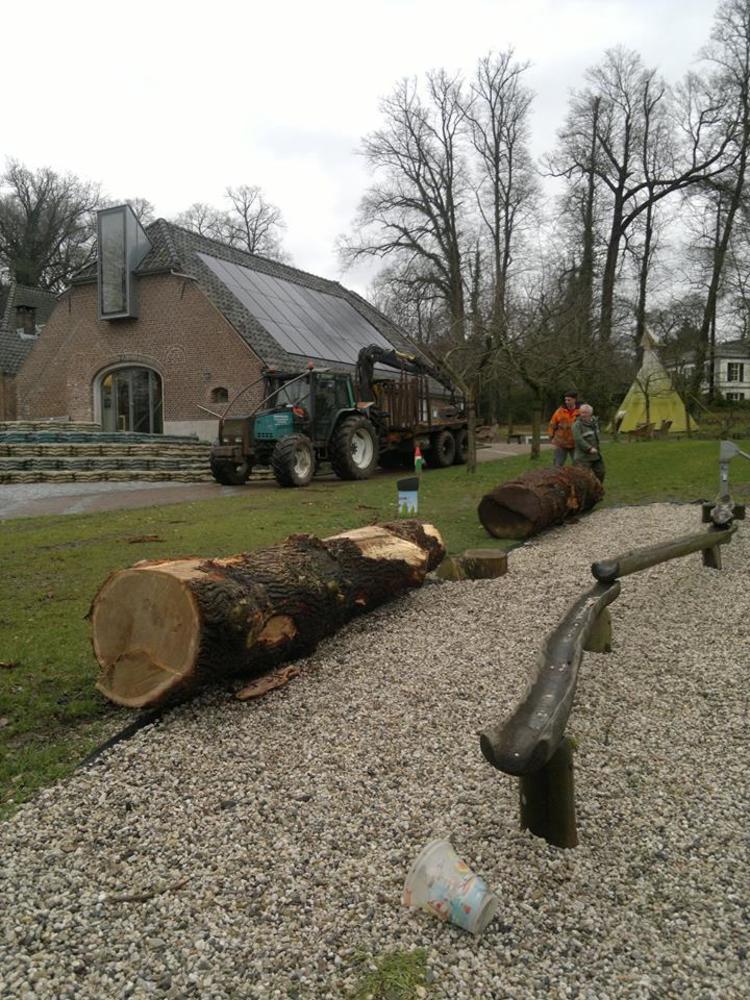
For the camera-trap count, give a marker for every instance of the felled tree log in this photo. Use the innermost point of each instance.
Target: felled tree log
(162, 629)
(538, 499)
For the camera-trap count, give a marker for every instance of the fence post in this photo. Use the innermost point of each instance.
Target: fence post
(712, 557)
(600, 636)
(548, 806)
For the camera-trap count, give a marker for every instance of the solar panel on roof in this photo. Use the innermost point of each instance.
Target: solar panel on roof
(303, 320)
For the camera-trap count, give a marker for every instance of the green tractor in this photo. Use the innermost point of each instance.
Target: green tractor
(302, 421)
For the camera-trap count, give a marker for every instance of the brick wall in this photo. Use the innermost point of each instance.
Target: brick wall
(7, 397)
(178, 333)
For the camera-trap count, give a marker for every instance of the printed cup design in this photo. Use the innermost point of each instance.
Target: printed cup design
(441, 883)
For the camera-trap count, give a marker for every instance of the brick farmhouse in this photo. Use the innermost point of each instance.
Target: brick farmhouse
(150, 339)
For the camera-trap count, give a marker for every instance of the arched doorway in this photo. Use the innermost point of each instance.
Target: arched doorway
(131, 400)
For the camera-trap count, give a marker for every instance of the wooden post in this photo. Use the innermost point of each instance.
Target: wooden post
(548, 801)
(712, 557)
(600, 636)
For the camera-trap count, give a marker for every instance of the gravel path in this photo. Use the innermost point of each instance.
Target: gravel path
(258, 850)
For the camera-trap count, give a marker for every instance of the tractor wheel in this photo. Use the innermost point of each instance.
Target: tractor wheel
(354, 448)
(442, 450)
(229, 473)
(461, 438)
(293, 461)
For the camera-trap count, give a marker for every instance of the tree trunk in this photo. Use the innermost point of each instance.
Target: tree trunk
(538, 499)
(536, 425)
(643, 276)
(163, 629)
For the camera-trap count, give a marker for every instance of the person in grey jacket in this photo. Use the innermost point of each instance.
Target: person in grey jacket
(586, 439)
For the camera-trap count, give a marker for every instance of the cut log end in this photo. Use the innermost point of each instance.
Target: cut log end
(538, 499)
(163, 629)
(146, 635)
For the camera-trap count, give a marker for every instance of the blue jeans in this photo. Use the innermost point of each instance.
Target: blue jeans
(561, 455)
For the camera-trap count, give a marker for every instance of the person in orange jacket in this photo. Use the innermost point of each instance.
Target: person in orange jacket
(560, 428)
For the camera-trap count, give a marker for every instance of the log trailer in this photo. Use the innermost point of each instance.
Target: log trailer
(355, 424)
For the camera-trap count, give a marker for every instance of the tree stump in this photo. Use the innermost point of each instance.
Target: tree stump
(484, 564)
(538, 499)
(162, 629)
(474, 564)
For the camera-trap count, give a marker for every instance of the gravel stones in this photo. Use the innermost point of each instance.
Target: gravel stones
(259, 849)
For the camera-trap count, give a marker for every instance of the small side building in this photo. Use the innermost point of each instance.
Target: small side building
(169, 325)
(23, 313)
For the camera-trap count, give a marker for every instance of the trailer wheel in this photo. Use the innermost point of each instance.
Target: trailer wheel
(354, 448)
(462, 446)
(442, 450)
(293, 461)
(229, 473)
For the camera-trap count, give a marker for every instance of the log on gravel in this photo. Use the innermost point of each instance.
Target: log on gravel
(538, 499)
(164, 628)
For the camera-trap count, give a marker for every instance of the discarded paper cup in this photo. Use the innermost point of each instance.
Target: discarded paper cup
(441, 883)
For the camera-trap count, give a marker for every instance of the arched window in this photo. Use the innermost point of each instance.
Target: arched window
(131, 400)
(219, 394)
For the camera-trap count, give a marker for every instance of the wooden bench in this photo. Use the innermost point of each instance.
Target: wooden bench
(643, 432)
(663, 430)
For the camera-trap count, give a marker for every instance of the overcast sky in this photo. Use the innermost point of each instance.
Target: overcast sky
(173, 101)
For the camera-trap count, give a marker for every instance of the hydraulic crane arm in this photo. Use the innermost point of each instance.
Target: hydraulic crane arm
(369, 356)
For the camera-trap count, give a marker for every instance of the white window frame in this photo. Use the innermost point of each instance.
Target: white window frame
(735, 371)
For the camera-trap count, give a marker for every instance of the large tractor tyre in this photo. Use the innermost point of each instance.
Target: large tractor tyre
(293, 460)
(461, 438)
(229, 473)
(442, 450)
(354, 448)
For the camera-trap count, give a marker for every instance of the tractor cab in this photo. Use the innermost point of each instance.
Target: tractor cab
(310, 406)
(295, 427)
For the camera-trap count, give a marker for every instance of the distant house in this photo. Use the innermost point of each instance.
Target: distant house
(169, 325)
(732, 369)
(731, 363)
(23, 313)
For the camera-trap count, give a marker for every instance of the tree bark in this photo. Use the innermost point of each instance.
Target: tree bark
(163, 629)
(538, 499)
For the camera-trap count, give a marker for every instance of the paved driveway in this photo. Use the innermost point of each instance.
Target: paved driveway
(36, 499)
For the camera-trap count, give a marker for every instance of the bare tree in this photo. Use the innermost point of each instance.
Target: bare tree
(251, 223)
(143, 210)
(498, 116)
(255, 224)
(414, 212)
(47, 225)
(729, 53)
(406, 295)
(632, 158)
(205, 220)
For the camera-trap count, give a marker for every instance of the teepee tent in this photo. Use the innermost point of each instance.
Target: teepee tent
(652, 399)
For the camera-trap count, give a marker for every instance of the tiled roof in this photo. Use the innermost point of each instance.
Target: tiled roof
(732, 349)
(14, 348)
(176, 249)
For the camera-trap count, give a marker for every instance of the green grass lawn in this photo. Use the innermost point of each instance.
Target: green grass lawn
(50, 713)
